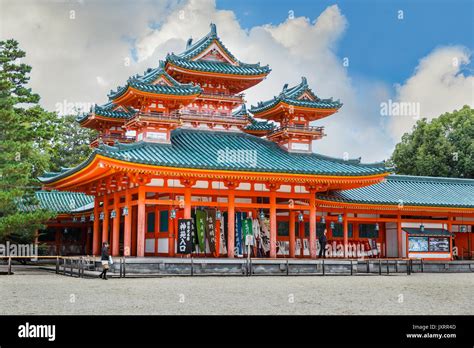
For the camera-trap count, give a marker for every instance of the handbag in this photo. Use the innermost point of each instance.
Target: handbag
(111, 261)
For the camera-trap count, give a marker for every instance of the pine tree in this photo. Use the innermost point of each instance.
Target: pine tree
(25, 140)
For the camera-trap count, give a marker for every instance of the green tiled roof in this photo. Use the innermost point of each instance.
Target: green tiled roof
(259, 125)
(291, 95)
(184, 59)
(427, 231)
(144, 83)
(217, 67)
(60, 201)
(107, 110)
(191, 148)
(192, 50)
(411, 191)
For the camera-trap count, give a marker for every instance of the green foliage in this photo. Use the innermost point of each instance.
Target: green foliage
(25, 138)
(70, 144)
(442, 147)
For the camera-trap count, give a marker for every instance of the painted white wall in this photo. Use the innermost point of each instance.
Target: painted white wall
(392, 241)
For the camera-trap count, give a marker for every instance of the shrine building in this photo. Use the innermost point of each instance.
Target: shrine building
(179, 139)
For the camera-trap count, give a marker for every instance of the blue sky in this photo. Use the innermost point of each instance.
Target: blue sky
(378, 44)
(424, 59)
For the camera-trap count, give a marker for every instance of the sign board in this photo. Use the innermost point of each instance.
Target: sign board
(185, 234)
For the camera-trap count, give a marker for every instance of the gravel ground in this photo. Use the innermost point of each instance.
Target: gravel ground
(40, 292)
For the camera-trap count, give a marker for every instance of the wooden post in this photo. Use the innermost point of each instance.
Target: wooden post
(116, 226)
(399, 236)
(449, 225)
(105, 222)
(96, 233)
(346, 235)
(273, 223)
(172, 236)
(187, 202)
(231, 223)
(312, 225)
(141, 222)
(133, 250)
(292, 233)
(127, 226)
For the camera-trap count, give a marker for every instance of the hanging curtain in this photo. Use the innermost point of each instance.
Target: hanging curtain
(211, 229)
(238, 234)
(200, 229)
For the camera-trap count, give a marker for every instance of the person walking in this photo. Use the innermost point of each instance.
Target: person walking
(322, 244)
(105, 260)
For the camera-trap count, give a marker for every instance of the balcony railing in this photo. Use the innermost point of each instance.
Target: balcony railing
(238, 97)
(299, 129)
(108, 138)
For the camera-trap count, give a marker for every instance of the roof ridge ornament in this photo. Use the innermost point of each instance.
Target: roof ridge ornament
(213, 29)
(189, 42)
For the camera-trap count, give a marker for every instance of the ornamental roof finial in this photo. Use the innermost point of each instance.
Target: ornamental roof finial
(303, 80)
(189, 43)
(213, 29)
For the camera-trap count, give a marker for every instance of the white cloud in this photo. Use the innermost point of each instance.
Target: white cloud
(80, 60)
(438, 85)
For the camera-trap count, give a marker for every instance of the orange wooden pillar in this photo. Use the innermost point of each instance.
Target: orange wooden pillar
(172, 236)
(231, 223)
(133, 250)
(141, 222)
(105, 222)
(399, 235)
(449, 226)
(96, 232)
(292, 233)
(346, 235)
(127, 226)
(273, 224)
(187, 202)
(312, 225)
(116, 226)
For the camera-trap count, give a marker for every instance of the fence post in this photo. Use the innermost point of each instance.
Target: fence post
(351, 268)
(388, 267)
(324, 271)
(124, 267)
(368, 266)
(57, 264)
(9, 265)
(192, 266)
(422, 268)
(380, 267)
(287, 267)
(72, 267)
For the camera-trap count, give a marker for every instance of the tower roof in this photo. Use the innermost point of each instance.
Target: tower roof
(209, 54)
(156, 81)
(299, 96)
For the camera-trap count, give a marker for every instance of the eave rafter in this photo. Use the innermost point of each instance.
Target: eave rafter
(101, 167)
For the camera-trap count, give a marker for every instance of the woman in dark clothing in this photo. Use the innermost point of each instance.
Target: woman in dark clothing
(322, 242)
(105, 260)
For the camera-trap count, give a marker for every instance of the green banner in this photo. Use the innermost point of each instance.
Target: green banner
(246, 229)
(201, 229)
(211, 229)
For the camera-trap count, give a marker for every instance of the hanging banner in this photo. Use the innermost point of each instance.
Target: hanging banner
(247, 230)
(265, 234)
(211, 229)
(238, 233)
(194, 238)
(223, 243)
(200, 229)
(185, 236)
